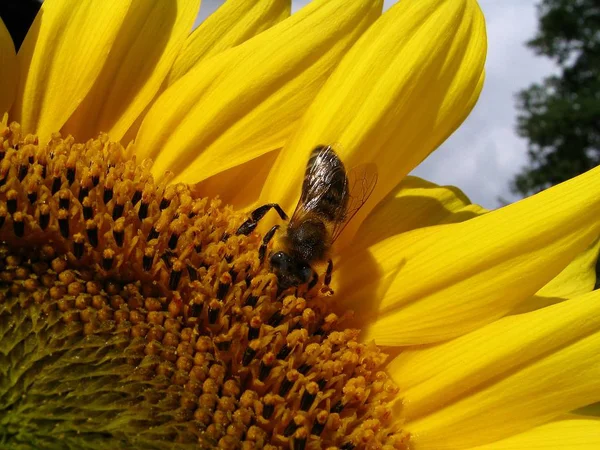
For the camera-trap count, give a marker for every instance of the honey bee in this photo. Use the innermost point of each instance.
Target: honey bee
(330, 197)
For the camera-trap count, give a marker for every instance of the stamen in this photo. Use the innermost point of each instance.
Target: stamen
(108, 257)
(18, 224)
(78, 245)
(56, 185)
(92, 232)
(11, 201)
(137, 196)
(88, 210)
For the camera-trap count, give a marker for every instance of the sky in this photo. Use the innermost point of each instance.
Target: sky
(485, 153)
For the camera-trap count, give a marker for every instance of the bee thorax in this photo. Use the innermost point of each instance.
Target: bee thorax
(309, 240)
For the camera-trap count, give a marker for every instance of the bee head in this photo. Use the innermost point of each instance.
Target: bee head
(289, 270)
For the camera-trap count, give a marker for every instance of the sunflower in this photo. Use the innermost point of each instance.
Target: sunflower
(135, 314)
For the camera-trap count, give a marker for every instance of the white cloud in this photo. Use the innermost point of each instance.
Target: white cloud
(207, 7)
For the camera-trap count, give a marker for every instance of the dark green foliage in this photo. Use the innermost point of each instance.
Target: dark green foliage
(560, 116)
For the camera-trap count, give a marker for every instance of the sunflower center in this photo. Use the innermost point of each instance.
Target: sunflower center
(131, 314)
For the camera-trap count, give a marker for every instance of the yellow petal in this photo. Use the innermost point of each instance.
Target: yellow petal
(234, 22)
(505, 378)
(431, 377)
(148, 42)
(439, 282)
(63, 54)
(246, 101)
(578, 278)
(9, 71)
(239, 186)
(402, 89)
(415, 203)
(575, 433)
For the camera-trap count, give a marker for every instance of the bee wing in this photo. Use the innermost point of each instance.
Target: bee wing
(323, 169)
(361, 183)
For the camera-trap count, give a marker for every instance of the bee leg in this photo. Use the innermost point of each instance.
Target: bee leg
(265, 242)
(313, 281)
(328, 273)
(249, 225)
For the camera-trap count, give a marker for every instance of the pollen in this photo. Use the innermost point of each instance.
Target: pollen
(133, 316)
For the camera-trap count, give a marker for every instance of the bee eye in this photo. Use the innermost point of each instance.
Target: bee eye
(279, 260)
(305, 273)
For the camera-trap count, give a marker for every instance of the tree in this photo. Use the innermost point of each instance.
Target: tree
(560, 117)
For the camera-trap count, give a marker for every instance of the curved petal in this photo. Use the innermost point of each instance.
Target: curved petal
(578, 278)
(142, 55)
(239, 186)
(62, 55)
(415, 203)
(505, 378)
(246, 101)
(9, 71)
(402, 89)
(234, 22)
(440, 282)
(573, 433)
